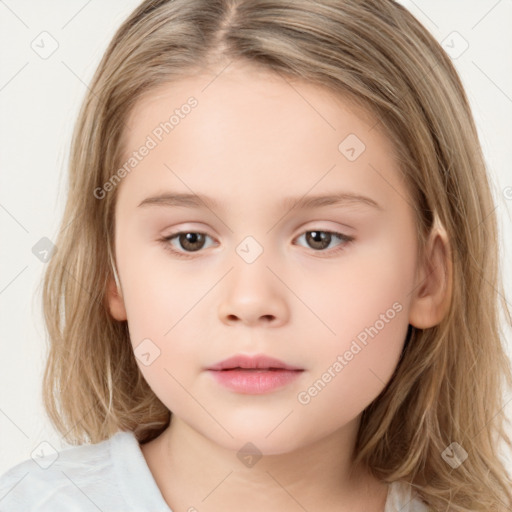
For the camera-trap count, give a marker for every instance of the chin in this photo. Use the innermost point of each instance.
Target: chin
(258, 440)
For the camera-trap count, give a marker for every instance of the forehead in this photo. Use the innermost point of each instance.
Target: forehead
(260, 96)
(253, 130)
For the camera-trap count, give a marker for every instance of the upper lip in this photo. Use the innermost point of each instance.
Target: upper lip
(258, 361)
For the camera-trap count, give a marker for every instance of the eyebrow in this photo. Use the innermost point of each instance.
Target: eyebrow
(170, 199)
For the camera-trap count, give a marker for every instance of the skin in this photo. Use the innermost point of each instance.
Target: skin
(253, 139)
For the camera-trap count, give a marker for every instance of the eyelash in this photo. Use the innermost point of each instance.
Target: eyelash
(180, 254)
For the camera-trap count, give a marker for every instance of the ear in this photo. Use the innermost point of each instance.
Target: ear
(115, 300)
(432, 294)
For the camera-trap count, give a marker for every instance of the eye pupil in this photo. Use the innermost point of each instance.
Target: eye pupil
(187, 241)
(319, 239)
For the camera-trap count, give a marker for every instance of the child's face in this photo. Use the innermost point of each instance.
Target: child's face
(340, 313)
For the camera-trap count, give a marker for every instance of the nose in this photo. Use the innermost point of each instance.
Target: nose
(253, 295)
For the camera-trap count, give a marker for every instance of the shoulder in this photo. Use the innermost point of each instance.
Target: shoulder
(77, 478)
(401, 496)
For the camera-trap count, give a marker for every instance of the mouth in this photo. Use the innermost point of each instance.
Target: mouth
(254, 375)
(256, 369)
(252, 362)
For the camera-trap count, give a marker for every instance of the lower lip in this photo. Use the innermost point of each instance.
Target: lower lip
(255, 382)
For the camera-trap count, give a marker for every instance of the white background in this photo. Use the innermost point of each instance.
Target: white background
(39, 100)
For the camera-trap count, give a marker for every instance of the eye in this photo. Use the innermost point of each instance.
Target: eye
(320, 240)
(189, 241)
(193, 241)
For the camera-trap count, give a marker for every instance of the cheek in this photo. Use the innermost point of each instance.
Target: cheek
(160, 307)
(350, 372)
(363, 309)
(351, 293)
(159, 295)
(161, 315)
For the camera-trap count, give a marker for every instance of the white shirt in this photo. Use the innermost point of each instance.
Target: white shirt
(110, 476)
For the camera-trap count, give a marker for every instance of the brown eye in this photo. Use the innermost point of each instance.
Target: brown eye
(188, 241)
(320, 240)
(191, 241)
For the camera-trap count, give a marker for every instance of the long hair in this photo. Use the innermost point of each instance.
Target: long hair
(449, 383)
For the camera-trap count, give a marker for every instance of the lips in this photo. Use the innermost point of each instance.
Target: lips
(255, 362)
(254, 375)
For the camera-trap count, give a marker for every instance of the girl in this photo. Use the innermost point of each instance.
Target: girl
(276, 284)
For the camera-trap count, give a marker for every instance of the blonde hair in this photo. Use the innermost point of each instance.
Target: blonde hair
(449, 384)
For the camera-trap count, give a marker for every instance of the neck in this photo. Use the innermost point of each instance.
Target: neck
(191, 471)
